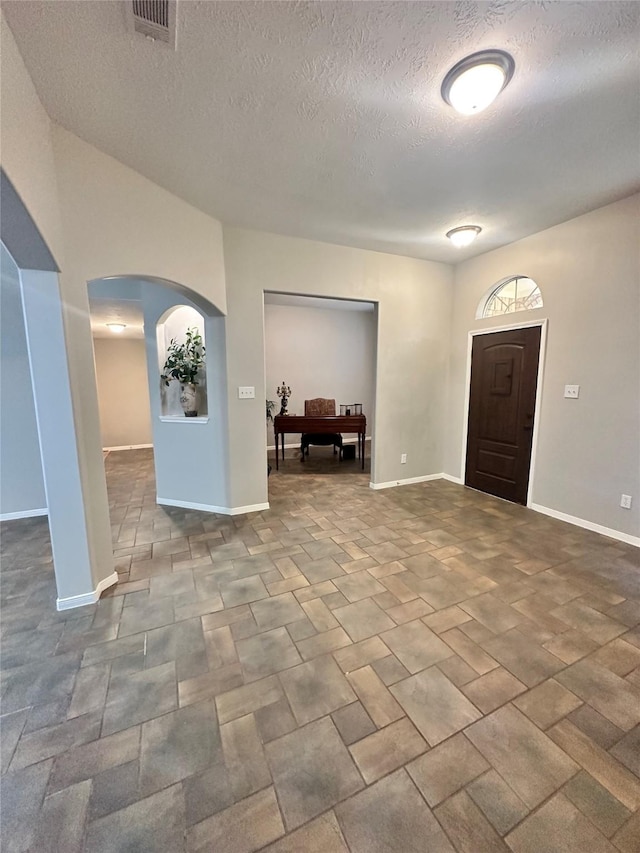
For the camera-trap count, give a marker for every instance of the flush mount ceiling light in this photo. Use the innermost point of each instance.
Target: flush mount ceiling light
(477, 80)
(117, 328)
(463, 235)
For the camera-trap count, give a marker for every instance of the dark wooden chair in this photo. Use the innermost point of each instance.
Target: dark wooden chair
(320, 407)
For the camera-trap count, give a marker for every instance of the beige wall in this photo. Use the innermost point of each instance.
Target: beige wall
(123, 392)
(21, 480)
(29, 161)
(27, 149)
(588, 450)
(99, 218)
(320, 352)
(414, 305)
(118, 223)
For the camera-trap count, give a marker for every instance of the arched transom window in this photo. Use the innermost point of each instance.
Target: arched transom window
(515, 294)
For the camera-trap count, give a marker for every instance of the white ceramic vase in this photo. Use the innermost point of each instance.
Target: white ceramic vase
(188, 400)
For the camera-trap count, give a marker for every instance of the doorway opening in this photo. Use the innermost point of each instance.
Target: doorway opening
(325, 351)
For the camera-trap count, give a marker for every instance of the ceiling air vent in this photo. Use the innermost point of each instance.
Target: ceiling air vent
(155, 19)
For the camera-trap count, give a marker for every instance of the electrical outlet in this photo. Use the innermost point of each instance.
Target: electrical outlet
(572, 391)
(246, 392)
(403, 459)
(625, 501)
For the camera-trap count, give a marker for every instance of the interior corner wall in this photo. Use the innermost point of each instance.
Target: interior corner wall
(123, 391)
(26, 141)
(588, 270)
(320, 352)
(21, 484)
(191, 455)
(116, 222)
(414, 305)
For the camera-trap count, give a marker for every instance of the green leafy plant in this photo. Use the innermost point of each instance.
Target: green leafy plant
(184, 361)
(271, 404)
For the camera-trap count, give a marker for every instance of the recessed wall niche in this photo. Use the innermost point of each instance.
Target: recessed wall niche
(173, 325)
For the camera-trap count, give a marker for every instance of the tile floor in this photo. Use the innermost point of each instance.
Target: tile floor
(419, 669)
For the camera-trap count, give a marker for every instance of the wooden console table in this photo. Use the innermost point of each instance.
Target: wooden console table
(283, 424)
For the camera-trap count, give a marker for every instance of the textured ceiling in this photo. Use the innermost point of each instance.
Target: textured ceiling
(324, 119)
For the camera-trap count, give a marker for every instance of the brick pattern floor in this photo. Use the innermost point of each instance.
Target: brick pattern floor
(418, 669)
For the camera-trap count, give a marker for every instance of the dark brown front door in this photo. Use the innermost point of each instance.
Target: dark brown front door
(504, 374)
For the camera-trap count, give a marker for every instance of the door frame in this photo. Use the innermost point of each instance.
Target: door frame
(542, 323)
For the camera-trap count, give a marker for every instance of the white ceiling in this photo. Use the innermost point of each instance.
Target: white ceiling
(116, 310)
(324, 119)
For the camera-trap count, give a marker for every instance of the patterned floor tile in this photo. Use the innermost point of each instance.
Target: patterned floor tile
(152, 825)
(322, 835)
(594, 801)
(497, 801)
(363, 619)
(446, 768)
(312, 771)
(315, 689)
(561, 821)
(177, 745)
(527, 759)
(435, 706)
(391, 815)
(416, 646)
(387, 749)
(467, 827)
(267, 653)
(329, 638)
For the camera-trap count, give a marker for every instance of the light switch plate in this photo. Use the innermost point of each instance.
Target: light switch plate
(246, 392)
(572, 391)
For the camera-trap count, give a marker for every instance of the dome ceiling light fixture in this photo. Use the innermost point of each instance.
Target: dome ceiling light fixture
(464, 235)
(116, 328)
(477, 80)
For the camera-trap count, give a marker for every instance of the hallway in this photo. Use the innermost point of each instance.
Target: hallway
(421, 668)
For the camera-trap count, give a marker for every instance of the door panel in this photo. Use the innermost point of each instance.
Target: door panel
(504, 375)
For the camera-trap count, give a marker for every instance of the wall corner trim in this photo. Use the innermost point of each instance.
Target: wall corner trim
(393, 483)
(25, 513)
(587, 525)
(221, 510)
(88, 597)
(452, 479)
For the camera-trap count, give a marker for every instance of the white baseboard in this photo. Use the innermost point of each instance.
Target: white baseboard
(452, 479)
(129, 447)
(407, 482)
(25, 513)
(88, 597)
(240, 510)
(221, 510)
(587, 525)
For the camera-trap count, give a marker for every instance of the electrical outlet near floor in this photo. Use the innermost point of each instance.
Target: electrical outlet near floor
(403, 458)
(625, 501)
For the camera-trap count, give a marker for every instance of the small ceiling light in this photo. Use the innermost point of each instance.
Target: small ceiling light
(464, 235)
(477, 80)
(117, 328)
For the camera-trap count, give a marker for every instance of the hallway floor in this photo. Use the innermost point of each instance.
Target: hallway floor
(417, 669)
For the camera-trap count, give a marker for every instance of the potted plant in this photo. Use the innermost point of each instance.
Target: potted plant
(184, 362)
